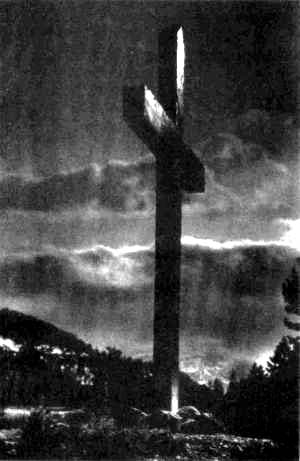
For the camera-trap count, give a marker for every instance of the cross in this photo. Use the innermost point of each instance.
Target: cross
(159, 125)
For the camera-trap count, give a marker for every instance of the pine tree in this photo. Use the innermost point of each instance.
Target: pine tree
(291, 295)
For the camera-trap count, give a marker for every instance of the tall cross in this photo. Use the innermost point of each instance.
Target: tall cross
(159, 125)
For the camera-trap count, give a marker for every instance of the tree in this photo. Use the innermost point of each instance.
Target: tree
(284, 361)
(291, 295)
(283, 369)
(218, 388)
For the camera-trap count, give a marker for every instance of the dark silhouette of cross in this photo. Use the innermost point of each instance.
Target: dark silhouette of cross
(159, 125)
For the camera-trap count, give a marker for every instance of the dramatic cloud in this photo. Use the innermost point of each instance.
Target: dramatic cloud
(257, 179)
(119, 186)
(237, 291)
(231, 296)
(128, 186)
(251, 184)
(251, 187)
(251, 179)
(74, 176)
(87, 291)
(276, 132)
(55, 192)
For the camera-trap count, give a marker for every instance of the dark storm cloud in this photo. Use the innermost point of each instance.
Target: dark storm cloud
(246, 177)
(277, 132)
(54, 192)
(232, 296)
(237, 293)
(83, 291)
(33, 275)
(64, 65)
(251, 170)
(127, 187)
(250, 189)
(119, 186)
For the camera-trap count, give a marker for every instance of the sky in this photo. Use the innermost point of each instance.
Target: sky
(77, 187)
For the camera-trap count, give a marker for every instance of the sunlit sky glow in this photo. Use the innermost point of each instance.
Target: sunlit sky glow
(264, 357)
(291, 237)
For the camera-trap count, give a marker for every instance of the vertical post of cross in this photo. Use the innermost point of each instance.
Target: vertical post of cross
(159, 126)
(168, 224)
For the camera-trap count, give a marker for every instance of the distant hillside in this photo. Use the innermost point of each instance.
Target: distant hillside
(24, 329)
(55, 367)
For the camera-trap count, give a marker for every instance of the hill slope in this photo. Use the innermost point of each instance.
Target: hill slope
(55, 367)
(22, 328)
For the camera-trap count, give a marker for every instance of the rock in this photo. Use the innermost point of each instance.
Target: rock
(125, 416)
(9, 439)
(188, 412)
(204, 423)
(163, 419)
(134, 417)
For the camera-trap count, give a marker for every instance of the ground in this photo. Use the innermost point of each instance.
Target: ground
(137, 445)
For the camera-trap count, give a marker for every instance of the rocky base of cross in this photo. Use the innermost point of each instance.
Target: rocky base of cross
(186, 420)
(188, 435)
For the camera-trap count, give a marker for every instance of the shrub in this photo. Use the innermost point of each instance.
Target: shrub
(43, 436)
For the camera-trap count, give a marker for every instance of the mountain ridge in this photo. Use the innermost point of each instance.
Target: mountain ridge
(56, 367)
(24, 328)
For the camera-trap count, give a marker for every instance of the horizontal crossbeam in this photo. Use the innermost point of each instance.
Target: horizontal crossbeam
(147, 118)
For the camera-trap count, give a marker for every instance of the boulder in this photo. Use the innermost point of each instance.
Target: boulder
(188, 412)
(164, 419)
(9, 439)
(204, 423)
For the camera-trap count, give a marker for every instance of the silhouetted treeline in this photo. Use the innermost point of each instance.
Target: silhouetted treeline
(265, 403)
(291, 296)
(39, 375)
(53, 367)
(73, 374)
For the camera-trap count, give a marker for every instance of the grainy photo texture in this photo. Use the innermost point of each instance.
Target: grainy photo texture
(149, 223)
